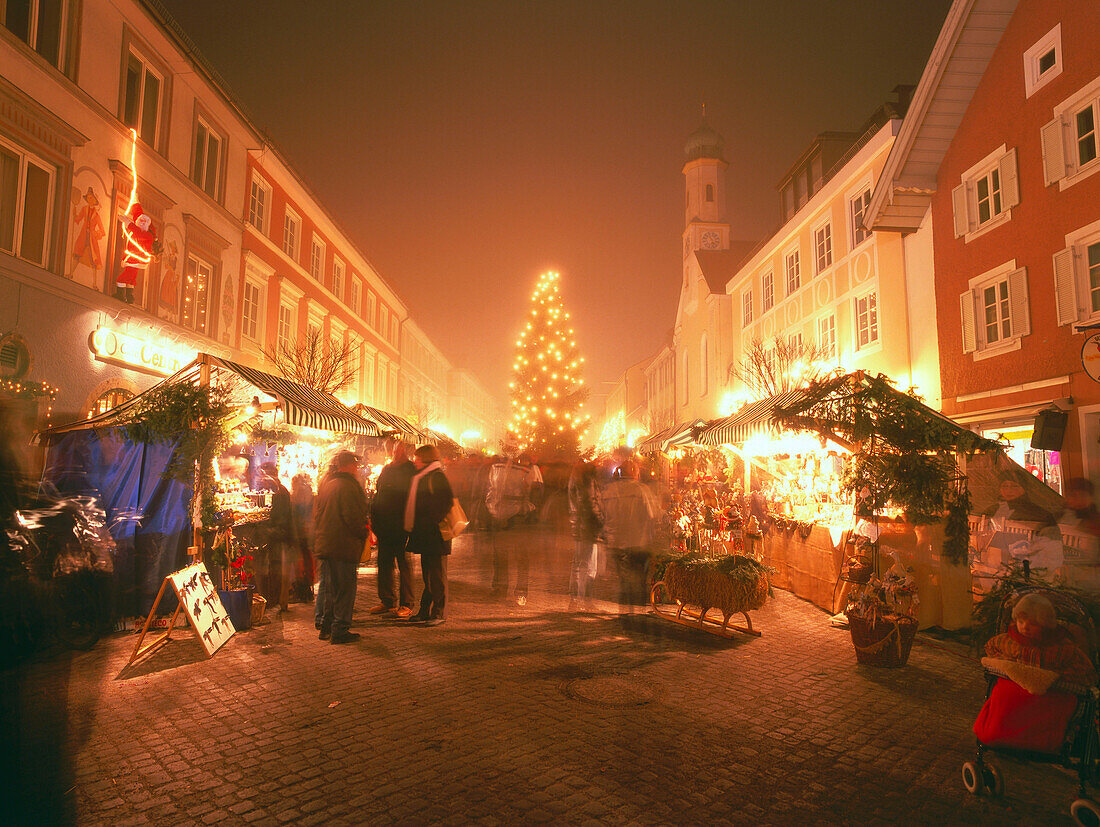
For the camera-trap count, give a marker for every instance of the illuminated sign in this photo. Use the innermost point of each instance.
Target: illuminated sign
(124, 349)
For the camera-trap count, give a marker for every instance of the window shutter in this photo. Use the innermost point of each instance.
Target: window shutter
(1065, 287)
(1019, 312)
(1054, 152)
(1010, 185)
(969, 331)
(959, 201)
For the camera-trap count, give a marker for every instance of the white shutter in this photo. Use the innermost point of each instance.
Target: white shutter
(1010, 185)
(1018, 310)
(969, 333)
(1054, 152)
(1065, 287)
(959, 200)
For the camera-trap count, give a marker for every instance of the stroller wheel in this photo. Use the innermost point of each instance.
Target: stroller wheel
(972, 779)
(1085, 812)
(994, 779)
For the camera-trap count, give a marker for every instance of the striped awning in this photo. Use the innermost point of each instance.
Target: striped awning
(654, 441)
(683, 434)
(303, 406)
(751, 419)
(392, 423)
(440, 438)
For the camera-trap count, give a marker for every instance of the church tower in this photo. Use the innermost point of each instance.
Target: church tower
(705, 226)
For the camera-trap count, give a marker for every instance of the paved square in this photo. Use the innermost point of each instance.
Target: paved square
(505, 715)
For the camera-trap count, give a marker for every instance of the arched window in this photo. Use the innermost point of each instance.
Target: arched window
(109, 399)
(684, 377)
(703, 366)
(710, 192)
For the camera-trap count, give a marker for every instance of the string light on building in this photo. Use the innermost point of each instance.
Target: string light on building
(547, 389)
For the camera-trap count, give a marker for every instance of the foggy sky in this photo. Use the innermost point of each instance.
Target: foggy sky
(469, 146)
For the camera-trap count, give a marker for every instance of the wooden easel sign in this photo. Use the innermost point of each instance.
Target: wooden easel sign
(204, 610)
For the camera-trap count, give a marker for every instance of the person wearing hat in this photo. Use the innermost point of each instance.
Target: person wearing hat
(142, 247)
(280, 539)
(387, 519)
(340, 526)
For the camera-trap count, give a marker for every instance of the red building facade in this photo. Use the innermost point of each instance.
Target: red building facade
(1016, 223)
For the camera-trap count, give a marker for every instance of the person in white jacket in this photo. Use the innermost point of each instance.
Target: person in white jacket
(630, 519)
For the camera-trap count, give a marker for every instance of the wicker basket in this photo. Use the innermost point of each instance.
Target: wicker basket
(259, 604)
(884, 642)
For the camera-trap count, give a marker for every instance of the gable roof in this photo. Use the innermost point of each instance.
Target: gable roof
(970, 35)
(719, 266)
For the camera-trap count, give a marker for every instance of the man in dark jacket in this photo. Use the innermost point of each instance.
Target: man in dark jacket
(387, 517)
(340, 525)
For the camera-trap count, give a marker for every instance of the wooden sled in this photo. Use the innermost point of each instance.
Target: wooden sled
(699, 618)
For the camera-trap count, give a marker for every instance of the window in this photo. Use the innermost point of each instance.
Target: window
(995, 310)
(292, 233)
(196, 289)
(259, 203)
(767, 289)
(746, 308)
(1043, 61)
(286, 327)
(109, 400)
(141, 100)
(1077, 276)
(26, 204)
(371, 301)
(866, 320)
(684, 378)
(250, 311)
(338, 278)
(793, 268)
(317, 259)
(858, 208)
(703, 366)
(41, 24)
(1070, 142)
(823, 247)
(207, 159)
(985, 197)
(356, 295)
(826, 336)
(710, 192)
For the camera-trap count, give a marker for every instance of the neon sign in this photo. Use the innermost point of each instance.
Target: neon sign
(115, 346)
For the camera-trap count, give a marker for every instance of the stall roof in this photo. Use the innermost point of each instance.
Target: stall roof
(440, 438)
(304, 406)
(752, 418)
(393, 423)
(654, 441)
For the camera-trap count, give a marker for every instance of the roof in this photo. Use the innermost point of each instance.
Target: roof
(754, 417)
(966, 43)
(704, 142)
(719, 266)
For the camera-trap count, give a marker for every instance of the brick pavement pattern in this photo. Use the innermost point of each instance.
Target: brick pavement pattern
(506, 714)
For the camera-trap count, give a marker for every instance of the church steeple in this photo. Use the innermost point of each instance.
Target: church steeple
(704, 171)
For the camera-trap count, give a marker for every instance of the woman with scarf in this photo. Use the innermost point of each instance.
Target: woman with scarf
(430, 498)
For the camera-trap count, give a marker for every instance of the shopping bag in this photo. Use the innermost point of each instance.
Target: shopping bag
(454, 523)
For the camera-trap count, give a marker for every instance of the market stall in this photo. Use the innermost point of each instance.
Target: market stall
(204, 430)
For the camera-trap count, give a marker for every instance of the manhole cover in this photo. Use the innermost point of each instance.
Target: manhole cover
(612, 690)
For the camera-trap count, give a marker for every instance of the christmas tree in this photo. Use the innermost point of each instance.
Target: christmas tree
(546, 389)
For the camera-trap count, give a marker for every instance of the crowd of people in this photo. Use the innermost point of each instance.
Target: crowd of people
(322, 538)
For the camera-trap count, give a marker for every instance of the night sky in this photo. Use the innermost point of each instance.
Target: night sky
(469, 146)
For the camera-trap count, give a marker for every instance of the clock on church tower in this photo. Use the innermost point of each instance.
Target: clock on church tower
(711, 240)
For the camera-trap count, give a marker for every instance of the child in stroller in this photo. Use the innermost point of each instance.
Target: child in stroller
(1041, 702)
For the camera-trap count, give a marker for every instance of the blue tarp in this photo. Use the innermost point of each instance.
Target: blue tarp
(148, 516)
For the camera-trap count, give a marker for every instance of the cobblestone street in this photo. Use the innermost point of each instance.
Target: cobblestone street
(506, 714)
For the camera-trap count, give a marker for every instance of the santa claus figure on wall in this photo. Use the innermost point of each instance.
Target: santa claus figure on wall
(142, 247)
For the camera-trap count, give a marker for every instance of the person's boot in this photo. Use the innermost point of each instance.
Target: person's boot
(129, 295)
(120, 292)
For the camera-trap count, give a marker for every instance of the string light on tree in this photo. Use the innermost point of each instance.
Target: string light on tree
(547, 390)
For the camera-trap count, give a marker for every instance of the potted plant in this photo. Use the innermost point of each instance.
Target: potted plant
(882, 617)
(234, 558)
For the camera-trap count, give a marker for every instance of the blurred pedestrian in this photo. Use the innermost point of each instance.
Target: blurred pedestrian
(387, 517)
(508, 501)
(586, 516)
(301, 502)
(430, 499)
(630, 515)
(279, 540)
(340, 522)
